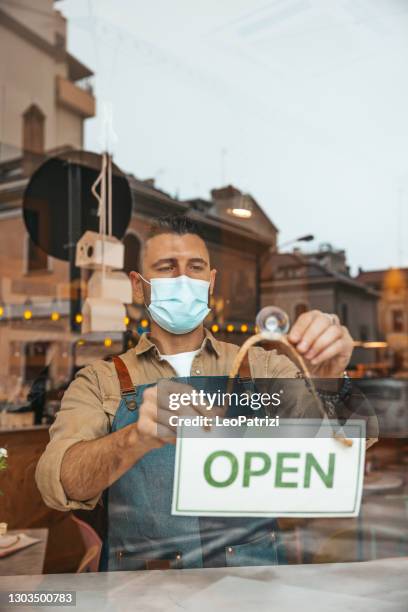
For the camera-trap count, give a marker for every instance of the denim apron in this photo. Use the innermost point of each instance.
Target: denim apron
(143, 534)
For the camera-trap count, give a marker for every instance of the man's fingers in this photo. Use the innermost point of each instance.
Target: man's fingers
(157, 416)
(158, 407)
(168, 387)
(149, 428)
(163, 421)
(170, 420)
(153, 422)
(320, 338)
(191, 410)
(324, 340)
(182, 400)
(301, 324)
(316, 328)
(150, 394)
(162, 418)
(331, 351)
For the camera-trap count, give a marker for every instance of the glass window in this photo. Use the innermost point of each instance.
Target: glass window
(344, 314)
(236, 176)
(33, 129)
(37, 259)
(300, 309)
(398, 320)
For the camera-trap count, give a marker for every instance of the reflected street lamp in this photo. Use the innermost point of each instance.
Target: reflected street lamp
(305, 238)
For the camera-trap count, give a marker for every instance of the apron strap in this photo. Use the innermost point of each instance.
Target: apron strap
(127, 389)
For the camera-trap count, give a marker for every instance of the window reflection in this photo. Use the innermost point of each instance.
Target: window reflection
(46, 333)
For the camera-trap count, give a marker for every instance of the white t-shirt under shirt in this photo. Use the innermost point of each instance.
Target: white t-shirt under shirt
(181, 362)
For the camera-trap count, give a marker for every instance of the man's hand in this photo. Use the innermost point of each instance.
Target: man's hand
(324, 343)
(91, 466)
(154, 426)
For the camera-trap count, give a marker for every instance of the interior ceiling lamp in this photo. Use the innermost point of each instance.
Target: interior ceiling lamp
(241, 206)
(109, 288)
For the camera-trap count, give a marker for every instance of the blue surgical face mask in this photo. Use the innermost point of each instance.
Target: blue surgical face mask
(178, 304)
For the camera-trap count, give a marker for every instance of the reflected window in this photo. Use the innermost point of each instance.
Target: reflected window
(35, 360)
(344, 314)
(397, 320)
(132, 252)
(33, 129)
(300, 309)
(364, 333)
(37, 259)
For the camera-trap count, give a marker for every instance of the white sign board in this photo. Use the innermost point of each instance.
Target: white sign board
(265, 476)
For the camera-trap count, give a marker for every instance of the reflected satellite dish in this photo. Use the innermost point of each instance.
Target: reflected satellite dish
(58, 206)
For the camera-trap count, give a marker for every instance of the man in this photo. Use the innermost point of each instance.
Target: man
(112, 433)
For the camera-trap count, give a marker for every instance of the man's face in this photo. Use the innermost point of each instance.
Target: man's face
(171, 255)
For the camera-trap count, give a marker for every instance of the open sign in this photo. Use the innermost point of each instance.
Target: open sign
(269, 476)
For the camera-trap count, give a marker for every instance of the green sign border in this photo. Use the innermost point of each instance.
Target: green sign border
(270, 514)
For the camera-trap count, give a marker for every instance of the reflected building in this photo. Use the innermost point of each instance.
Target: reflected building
(46, 98)
(46, 91)
(299, 281)
(392, 287)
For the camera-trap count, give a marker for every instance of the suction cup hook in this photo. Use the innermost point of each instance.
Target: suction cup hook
(274, 320)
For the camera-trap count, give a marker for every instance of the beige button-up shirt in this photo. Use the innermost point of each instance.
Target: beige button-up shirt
(90, 402)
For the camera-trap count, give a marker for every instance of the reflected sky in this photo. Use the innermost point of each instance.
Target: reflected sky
(301, 102)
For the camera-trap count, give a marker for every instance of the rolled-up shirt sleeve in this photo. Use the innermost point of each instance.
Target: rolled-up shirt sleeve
(80, 418)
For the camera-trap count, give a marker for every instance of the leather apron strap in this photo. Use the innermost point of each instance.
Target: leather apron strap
(127, 388)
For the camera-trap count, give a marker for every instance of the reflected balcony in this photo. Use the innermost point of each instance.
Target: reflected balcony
(76, 97)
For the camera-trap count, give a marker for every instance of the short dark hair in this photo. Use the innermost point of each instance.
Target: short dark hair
(170, 224)
(174, 224)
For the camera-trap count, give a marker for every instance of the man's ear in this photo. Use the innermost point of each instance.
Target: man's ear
(137, 288)
(213, 274)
